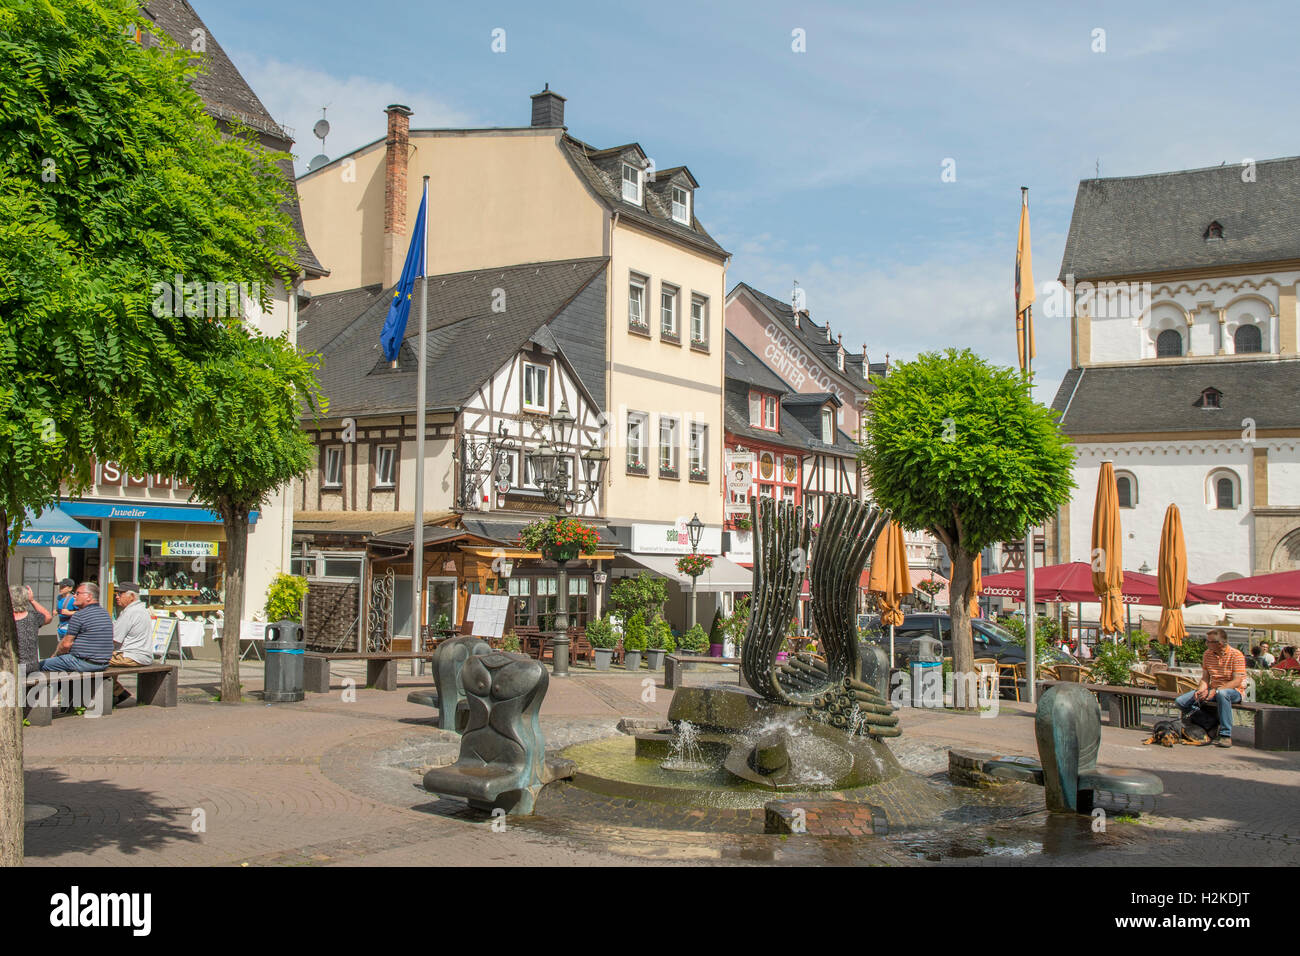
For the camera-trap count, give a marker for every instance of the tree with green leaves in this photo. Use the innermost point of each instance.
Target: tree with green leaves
(236, 438)
(958, 447)
(113, 180)
(645, 593)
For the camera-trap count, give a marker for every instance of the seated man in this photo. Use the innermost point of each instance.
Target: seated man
(1266, 654)
(1223, 672)
(88, 644)
(1288, 661)
(132, 635)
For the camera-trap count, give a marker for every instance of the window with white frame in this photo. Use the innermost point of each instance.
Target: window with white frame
(828, 426)
(668, 440)
(770, 403)
(681, 206)
(668, 311)
(636, 302)
(631, 184)
(1223, 489)
(699, 320)
(638, 426)
(699, 450)
(536, 396)
(333, 476)
(385, 466)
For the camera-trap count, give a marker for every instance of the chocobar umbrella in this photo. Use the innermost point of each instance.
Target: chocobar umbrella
(889, 578)
(1173, 578)
(976, 586)
(1107, 559)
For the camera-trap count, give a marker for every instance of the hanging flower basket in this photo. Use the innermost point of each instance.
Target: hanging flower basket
(694, 565)
(559, 539)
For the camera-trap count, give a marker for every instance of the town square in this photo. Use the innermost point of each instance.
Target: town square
(408, 461)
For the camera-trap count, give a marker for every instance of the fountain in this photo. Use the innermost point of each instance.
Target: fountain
(807, 727)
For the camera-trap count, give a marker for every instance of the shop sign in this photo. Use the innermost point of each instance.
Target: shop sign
(740, 471)
(189, 549)
(673, 539)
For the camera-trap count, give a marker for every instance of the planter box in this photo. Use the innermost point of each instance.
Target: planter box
(632, 660)
(655, 659)
(715, 650)
(604, 656)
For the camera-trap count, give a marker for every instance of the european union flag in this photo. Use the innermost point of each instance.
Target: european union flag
(400, 308)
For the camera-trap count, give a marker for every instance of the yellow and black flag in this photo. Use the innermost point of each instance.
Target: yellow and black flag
(1024, 292)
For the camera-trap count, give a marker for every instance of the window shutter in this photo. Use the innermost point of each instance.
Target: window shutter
(755, 409)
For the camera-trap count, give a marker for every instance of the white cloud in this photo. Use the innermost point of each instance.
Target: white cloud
(294, 95)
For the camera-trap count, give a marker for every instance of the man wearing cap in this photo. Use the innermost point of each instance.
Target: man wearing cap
(66, 605)
(1223, 673)
(89, 642)
(132, 635)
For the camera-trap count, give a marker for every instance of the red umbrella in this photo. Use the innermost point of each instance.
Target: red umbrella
(1070, 584)
(1276, 592)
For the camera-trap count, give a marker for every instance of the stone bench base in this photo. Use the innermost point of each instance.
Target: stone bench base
(155, 686)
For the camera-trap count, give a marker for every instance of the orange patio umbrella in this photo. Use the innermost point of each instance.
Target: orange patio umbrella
(976, 586)
(1107, 556)
(1172, 574)
(889, 578)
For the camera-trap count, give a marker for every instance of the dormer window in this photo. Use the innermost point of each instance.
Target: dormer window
(828, 427)
(764, 411)
(1210, 398)
(1213, 231)
(681, 205)
(631, 184)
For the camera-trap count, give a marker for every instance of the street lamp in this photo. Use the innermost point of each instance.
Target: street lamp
(1145, 569)
(553, 473)
(694, 530)
(478, 460)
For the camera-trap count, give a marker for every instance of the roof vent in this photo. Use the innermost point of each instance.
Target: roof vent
(1213, 231)
(1210, 398)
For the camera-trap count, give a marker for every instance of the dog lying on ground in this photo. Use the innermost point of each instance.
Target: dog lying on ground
(1166, 733)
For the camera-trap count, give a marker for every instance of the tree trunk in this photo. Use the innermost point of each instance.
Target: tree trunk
(236, 522)
(11, 722)
(959, 588)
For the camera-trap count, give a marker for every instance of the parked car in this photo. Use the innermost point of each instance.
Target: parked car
(989, 639)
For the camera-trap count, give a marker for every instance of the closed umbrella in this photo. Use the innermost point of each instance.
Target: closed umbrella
(889, 578)
(976, 585)
(1173, 578)
(1107, 558)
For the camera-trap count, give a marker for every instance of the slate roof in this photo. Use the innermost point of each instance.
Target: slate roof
(743, 370)
(602, 169)
(1137, 224)
(507, 531)
(812, 337)
(467, 341)
(1161, 397)
(230, 99)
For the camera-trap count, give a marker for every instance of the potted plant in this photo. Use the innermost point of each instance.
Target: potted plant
(742, 523)
(635, 638)
(660, 642)
(510, 643)
(603, 641)
(694, 641)
(735, 627)
(559, 539)
(716, 638)
(693, 565)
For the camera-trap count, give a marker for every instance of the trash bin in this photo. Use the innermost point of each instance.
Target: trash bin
(284, 647)
(927, 672)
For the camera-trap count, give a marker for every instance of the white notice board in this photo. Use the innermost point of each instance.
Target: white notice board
(164, 628)
(487, 614)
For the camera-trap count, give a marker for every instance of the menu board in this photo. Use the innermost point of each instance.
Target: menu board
(487, 614)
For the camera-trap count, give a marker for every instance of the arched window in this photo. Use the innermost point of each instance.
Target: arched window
(1169, 344)
(1126, 487)
(1225, 493)
(1247, 339)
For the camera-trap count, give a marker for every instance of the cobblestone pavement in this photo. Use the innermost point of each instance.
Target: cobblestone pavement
(330, 781)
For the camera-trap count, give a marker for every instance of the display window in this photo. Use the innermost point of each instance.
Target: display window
(181, 569)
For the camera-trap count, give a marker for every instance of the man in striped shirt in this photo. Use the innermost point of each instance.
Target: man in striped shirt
(1223, 673)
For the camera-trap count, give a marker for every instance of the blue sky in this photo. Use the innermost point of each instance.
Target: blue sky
(825, 165)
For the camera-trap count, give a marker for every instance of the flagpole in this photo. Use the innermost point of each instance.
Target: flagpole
(417, 577)
(1031, 617)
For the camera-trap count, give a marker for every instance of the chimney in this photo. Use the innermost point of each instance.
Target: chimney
(395, 161)
(548, 109)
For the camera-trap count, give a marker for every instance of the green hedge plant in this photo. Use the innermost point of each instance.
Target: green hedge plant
(600, 634)
(635, 635)
(284, 598)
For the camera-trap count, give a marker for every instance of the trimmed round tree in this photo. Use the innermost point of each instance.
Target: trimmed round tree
(957, 447)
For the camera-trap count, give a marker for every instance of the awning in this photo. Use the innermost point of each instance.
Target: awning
(55, 528)
(723, 576)
(135, 511)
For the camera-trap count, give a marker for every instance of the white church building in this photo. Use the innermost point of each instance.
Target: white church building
(1185, 368)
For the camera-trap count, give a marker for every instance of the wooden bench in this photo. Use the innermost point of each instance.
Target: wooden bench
(381, 668)
(155, 685)
(1276, 727)
(673, 666)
